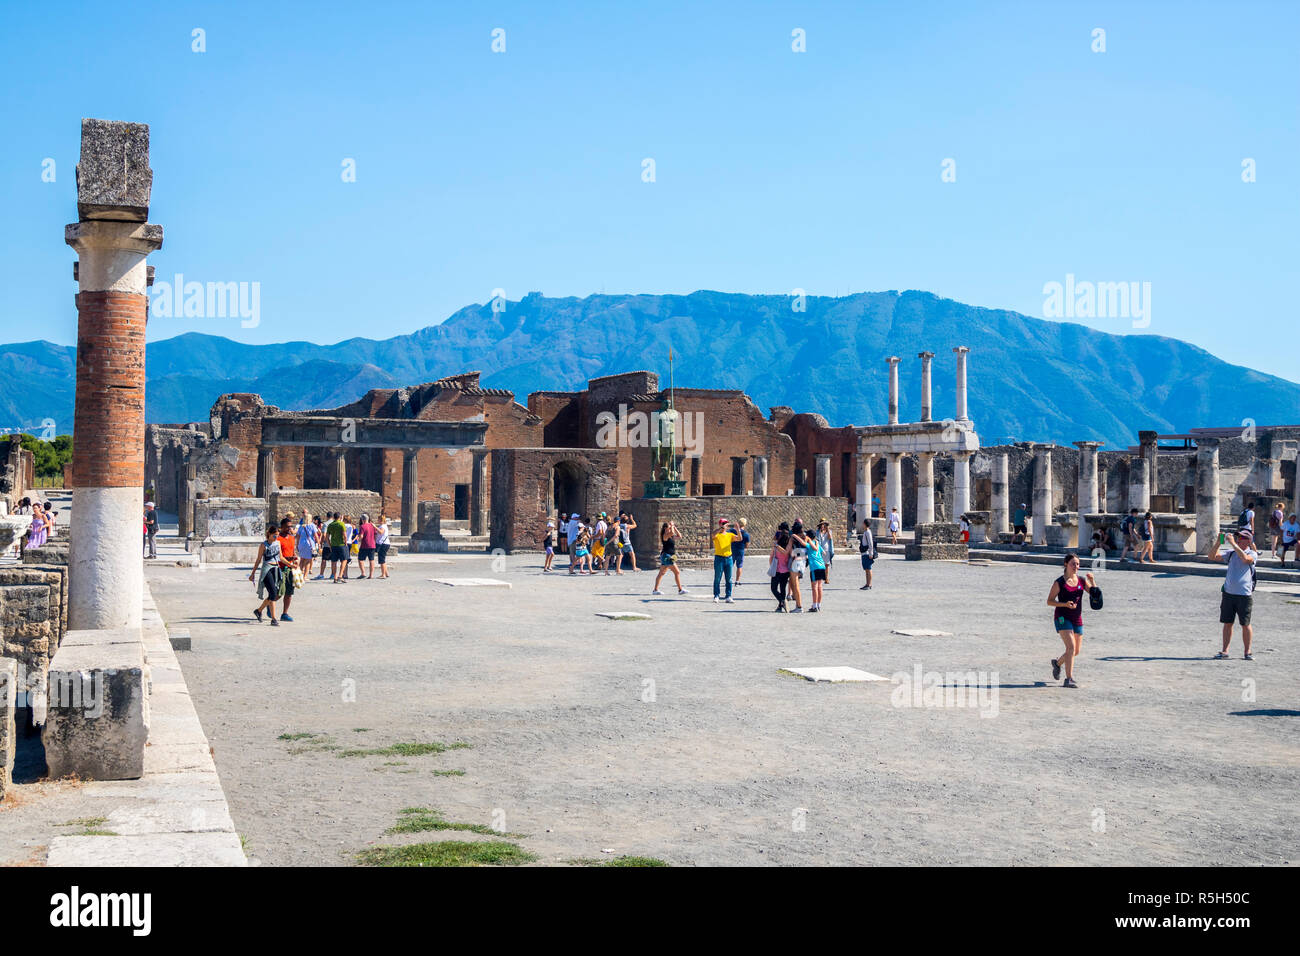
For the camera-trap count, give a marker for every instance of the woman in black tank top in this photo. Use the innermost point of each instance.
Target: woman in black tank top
(668, 535)
(1066, 601)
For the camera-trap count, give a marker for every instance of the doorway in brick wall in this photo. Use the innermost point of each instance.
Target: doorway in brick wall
(568, 489)
(460, 504)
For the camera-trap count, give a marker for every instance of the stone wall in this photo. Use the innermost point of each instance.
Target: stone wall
(8, 729)
(33, 620)
(524, 493)
(696, 519)
(230, 518)
(323, 502)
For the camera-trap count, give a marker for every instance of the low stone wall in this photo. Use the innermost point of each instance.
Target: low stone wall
(51, 553)
(33, 620)
(8, 730)
(324, 501)
(696, 518)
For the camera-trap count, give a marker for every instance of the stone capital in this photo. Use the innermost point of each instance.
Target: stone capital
(961, 350)
(1088, 445)
(141, 237)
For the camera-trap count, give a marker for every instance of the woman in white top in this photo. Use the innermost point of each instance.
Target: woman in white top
(381, 545)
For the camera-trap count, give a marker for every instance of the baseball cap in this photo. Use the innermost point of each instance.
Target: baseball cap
(574, 515)
(1245, 533)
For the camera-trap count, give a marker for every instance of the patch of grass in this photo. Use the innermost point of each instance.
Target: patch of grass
(96, 833)
(422, 820)
(405, 750)
(448, 773)
(297, 736)
(617, 861)
(361, 730)
(447, 853)
(88, 823)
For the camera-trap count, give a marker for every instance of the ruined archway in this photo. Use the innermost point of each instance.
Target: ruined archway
(569, 482)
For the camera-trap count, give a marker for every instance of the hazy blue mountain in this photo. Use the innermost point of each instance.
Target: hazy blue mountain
(1029, 379)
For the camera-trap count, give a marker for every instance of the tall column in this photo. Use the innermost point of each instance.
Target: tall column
(1000, 519)
(894, 484)
(893, 361)
(1207, 493)
(265, 472)
(112, 241)
(410, 490)
(926, 407)
(1147, 441)
(961, 484)
(340, 478)
(1042, 515)
(1089, 489)
(924, 487)
(863, 496)
(478, 491)
(760, 474)
(1139, 485)
(738, 474)
(823, 487)
(961, 352)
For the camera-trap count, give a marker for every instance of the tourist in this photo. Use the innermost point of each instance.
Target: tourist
(1066, 600)
(367, 536)
(1246, 519)
(816, 569)
(778, 567)
(288, 541)
(1147, 532)
(826, 546)
(964, 523)
(626, 525)
(724, 539)
(308, 543)
(867, 551)
(1238, 588)
(1275, 520)
(571, 535)
(1290, 534)
(382, 541)
(875, 506)
(39, 531)
(895, 526)
(548, 542)
(582, 550)
(271, 580)
(322, 544)
(336, 534)
(738, 550)
(350, 545)
(612, 553)
(1128, 528)
(1020, 520)
(150, 530)
(598, 556)
(668, 535)
(798, 561)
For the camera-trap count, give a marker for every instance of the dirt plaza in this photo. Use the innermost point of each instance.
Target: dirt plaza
(681, 738)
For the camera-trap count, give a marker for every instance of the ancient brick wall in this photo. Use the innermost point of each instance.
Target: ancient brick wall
(523, 495)
(324, 501)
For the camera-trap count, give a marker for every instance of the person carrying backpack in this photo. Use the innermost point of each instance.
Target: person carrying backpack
(1128, 529)
(867, 551)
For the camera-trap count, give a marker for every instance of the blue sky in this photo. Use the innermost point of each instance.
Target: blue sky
(774, 170)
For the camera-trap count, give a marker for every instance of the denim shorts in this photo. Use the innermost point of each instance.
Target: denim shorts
(1065, 624)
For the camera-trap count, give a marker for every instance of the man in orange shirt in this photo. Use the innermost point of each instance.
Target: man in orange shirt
(288, 561)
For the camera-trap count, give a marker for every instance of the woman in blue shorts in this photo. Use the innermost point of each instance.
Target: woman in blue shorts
(1066, 601)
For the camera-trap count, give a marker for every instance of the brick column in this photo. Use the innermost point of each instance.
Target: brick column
(410, 489)
(738, 474)
(1089, 489)
(1042, 515)
(823, 486)
(926, 407)
(112, 241)
(1207, 493)
(266, 472)
(478, 490)
(925, 487)
(760, 474)
(893, 361)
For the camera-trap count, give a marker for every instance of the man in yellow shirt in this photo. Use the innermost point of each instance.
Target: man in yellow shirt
(723, 539)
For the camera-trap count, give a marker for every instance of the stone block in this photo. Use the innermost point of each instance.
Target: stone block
(8, 730)
(937, 541)
(230, 518)
(52, 553)
(180, 639)
(429, 538)
(324, 501)
(98, 720)
(114, 180)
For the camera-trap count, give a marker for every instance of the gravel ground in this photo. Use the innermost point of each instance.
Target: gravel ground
(1156, 759)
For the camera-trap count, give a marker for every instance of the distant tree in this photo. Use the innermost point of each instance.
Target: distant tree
(49, 456)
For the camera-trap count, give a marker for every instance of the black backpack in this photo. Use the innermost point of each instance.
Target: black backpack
(1243, 519)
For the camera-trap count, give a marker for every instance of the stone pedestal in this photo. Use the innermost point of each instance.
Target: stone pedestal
(428, 539)
(1207, 493)
(937, 541)
(1060, 533)
(979, 526)
(924, 487)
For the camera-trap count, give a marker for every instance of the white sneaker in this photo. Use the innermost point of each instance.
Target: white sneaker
(656, 592)
(730, 601)
(715, 600)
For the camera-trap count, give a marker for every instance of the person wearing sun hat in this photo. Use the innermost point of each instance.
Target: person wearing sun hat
(1238, 587)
